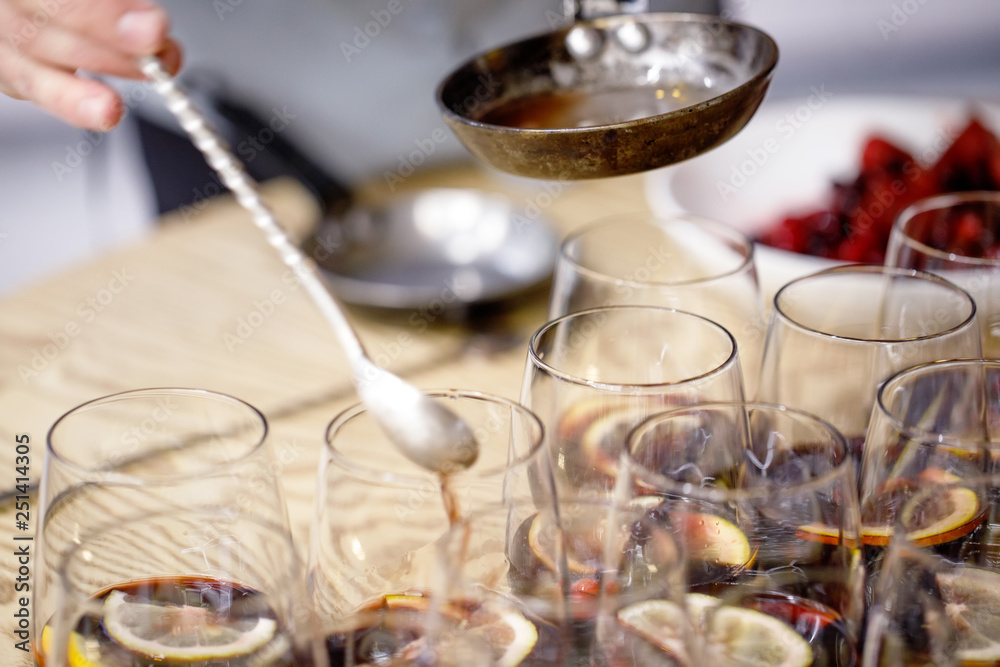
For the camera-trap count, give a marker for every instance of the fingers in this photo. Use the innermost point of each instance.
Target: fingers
(70, 51)
(102, 36)
(81, 102)
(130, 27)
(49, 40)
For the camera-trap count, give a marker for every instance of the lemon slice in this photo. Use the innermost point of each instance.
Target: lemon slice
(712, 539)
(506, 631)
(972, 603)
(952, 514)
(584, 543)
(76, 654)
(181, 632)
(76, 650)
(731, 635)
(933, 516)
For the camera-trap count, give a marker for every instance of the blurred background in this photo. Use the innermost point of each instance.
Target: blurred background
(345, 106)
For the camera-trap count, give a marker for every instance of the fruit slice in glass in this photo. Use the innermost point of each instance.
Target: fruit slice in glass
(183, 588)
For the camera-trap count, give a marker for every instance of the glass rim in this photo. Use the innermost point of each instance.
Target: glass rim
(874, 269)
(731, 360)
(938, 202)
(719, 229)
(388, 479)
(664, 485)
(124, 479)
(912, 431)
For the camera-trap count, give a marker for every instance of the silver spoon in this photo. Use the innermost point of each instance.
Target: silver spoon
(425, 431)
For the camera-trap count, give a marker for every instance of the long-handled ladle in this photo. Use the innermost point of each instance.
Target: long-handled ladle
(426, 431)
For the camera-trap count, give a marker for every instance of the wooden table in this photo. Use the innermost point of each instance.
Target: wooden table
(168, 312)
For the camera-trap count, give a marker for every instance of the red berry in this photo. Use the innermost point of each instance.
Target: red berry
(880, 154)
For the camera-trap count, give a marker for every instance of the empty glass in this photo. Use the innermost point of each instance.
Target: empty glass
(683, 262)
(836, 335)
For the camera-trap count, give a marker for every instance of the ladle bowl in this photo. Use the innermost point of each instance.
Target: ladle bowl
(609, 96)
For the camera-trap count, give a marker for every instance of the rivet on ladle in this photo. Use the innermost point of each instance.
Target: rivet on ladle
(584, 42)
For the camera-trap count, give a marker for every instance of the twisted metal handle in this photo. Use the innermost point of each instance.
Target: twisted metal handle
(234, 176)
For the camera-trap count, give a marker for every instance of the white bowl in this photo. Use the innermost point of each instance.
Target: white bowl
(786, 159)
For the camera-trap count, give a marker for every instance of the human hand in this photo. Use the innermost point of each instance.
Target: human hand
(44, 42)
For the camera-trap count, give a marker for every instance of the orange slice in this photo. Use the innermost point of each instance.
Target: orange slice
(954, 511)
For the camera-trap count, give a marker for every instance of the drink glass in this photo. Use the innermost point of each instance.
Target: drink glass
(836, 335)
(771, 537)
(379, 516)
(583, 583)
(591, 376)
(956, 236)
(932, 424)
(198, 587)
(683, 262)
(145, 451)
(936, 600)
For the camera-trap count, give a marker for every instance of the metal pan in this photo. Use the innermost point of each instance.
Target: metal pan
(439, 249)
(609, 96)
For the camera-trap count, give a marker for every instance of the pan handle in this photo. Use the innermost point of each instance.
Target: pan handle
(577, 10)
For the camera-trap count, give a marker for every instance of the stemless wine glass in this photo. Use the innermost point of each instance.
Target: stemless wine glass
(143, 451)
(184, 588)
(591, 376)
(956, 236)
(772, 537)
(682, 261)
(379, 515)
(934, 423)
(837, 334)
(937, 599)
